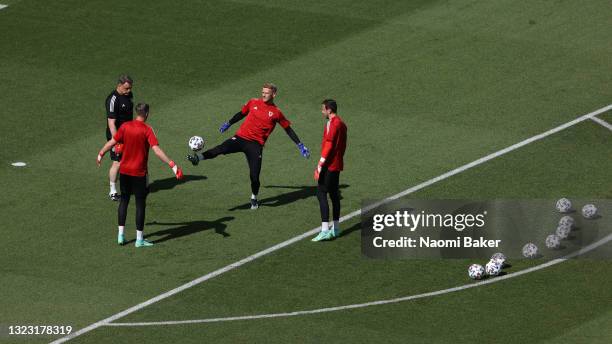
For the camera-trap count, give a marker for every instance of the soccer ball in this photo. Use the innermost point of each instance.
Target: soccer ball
(563, 231)
(476, 271)
(499, 258)
(566, 221)
(553, 241)
(196, 143)
(564, 205)
(493, 268)
(589, 211)
(530, 250)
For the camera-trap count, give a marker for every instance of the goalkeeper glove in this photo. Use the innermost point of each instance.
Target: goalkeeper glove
(304, 150)
(177, 170)
(224, 127)
(119, 148)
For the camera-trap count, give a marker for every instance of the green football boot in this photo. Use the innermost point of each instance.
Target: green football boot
(142, 243)
(120, 239)
(323, 235)
(335, 232)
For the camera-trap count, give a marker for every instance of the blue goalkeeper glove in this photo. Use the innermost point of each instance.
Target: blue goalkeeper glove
(304, 150)
(224, 127)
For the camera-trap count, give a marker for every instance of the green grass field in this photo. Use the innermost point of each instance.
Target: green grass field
(424, 87)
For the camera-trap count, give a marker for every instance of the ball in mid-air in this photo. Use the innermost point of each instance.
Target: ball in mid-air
(493, 268)
(476, 271)
(589, 211)
(563, 231)
(530, 250)
(553, 241)
(564, 205)
(196, 143)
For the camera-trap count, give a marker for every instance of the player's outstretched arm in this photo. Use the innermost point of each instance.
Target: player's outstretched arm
(178, 172)
(303, 149)
(236, 118)
(105, 149)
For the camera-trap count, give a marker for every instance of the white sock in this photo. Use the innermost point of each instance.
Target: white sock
(139, 235)
(337, 225)
(253, 196)
(113, 188)
(324, 226)
(121, 228)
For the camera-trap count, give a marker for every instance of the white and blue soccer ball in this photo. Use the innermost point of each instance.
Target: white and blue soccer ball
(563, 231)
(564, 205)
(499, 258)
(553, 241)
(476, 271)
(493, 268)
(589, 211)
(196, 143)
(530, 250)
(566, 221)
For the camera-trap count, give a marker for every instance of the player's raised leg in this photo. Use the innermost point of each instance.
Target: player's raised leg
(227, 147)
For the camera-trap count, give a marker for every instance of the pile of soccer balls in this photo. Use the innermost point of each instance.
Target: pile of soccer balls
(492, 268)
(530, 250)
(566, 223)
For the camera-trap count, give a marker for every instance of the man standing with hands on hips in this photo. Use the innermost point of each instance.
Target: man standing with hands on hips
(137, 137)
(327, 173)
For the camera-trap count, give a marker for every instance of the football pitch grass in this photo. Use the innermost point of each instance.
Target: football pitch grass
(424, 86)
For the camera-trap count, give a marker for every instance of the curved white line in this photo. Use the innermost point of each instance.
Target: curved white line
(376, 303)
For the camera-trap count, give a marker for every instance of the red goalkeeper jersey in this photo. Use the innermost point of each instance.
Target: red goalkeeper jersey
(335, 133)
(137, 137)
(260, 121)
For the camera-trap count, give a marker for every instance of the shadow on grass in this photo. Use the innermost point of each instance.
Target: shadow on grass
(182, 229)
(171, 182)
(298, 193)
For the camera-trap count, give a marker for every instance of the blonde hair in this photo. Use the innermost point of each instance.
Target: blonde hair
(270, 86)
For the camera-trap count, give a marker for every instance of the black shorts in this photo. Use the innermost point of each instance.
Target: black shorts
(132, 185)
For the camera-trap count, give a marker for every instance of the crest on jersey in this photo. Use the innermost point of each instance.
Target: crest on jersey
(270, 113)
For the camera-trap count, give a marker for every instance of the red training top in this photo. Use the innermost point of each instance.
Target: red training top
(334, 135)
(137, 137)
(260, 121)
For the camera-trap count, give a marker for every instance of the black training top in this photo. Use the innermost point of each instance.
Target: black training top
(120, 108)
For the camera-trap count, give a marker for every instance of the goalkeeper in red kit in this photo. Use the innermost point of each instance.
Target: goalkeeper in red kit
(327, 173)
(261, 115)
(137, 137)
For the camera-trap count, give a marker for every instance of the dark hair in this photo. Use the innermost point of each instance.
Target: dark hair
(330, 104)
(125, 78)
(142, 109)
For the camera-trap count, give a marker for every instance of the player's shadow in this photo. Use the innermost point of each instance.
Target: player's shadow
(182, 229)
(171, 182)
(298, 193)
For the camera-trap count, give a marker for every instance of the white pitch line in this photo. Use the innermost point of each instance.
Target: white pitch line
(286, 243)
(374, 303)
(602, 122)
